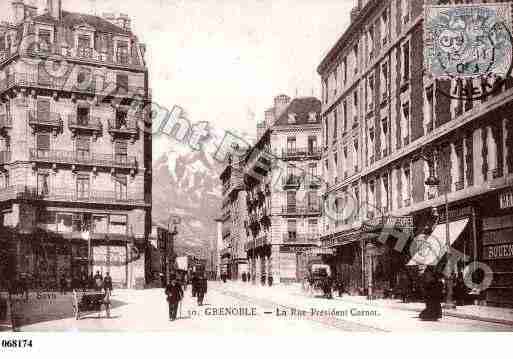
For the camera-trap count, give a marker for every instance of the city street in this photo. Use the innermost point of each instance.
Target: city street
(261, 309)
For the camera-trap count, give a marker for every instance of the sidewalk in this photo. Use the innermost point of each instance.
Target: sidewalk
(290, 293)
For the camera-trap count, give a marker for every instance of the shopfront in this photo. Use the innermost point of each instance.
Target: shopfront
(497, 247)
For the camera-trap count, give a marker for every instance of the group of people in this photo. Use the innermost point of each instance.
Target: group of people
(175, 290)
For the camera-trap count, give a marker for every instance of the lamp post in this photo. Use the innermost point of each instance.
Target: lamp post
(175, 220)
(434, 183)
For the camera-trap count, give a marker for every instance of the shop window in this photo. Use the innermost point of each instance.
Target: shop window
(118, 224)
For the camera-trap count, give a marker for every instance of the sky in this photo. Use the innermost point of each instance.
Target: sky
(224, 61)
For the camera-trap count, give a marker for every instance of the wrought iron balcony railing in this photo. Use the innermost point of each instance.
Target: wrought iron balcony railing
(130, 126)
(300, 238)
(291, 181)
(459, 185)
(48, 120)
(301, 209)
(76, 123)
(72, 195)
(301, 152)
(90, 159)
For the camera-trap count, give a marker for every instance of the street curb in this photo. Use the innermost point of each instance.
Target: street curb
(449, 314)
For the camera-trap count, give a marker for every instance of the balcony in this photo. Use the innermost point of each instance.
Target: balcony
(291, 181)
(301, 210)
(86, 54)
(90, 159)
(85, 125)
(128, 128)
(300, 238)
(71, 195)
(297, 154)
(5, 122)
(49, 121)
(5, 157)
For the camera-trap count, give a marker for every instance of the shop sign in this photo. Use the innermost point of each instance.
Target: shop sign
(500, 251)
(293, 249)
(498, 237)
(506, 200)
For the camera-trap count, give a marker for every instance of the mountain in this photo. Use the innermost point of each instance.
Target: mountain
(186, 183)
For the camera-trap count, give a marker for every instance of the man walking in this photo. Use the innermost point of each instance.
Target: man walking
(107, 282)
(201, 289)
(174, 295)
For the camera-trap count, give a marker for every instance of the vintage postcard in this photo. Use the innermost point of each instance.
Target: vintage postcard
(259, 167)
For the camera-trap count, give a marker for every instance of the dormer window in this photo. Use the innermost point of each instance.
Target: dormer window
(292, 118)
(312, 117)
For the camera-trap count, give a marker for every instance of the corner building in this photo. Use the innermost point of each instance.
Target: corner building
(75, 145)
(382, 114)
(282, 183)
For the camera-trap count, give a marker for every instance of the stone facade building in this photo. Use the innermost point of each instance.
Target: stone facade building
(75, 144)
(387, 127)
(277, 200)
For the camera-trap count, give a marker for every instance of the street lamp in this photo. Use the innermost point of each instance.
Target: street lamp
(433, 182)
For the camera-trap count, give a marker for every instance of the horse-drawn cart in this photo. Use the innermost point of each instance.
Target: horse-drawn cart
(317, 280)
(88, 302)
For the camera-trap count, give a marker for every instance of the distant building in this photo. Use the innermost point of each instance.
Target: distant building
(161, 260)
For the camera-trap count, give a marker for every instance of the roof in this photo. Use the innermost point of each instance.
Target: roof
(301, 108)
(72, 19)
(347, 36)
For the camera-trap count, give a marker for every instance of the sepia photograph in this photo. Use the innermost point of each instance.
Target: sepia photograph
(257, 167)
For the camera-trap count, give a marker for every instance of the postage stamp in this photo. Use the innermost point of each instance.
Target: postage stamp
(468, 41)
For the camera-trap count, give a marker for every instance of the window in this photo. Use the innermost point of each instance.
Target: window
(43, 144)
(120, 186)
(326, 128)
(429, 109)
(43, 180)
(355, 54)
(83, 147)
(384, 27)
(117, 224)
(43, 110)
(335, 124)
(355, 106)
(370, 42)
(384, 81)
(313, 228)
(312, 144)
(384, 129)
(81, 222)
(344, 112)
(83, 186)
(44, 40)
(406, 62)
(370, 92)
(313, 201)
(84, 46)
(100, 224)
(312, 117)
(64, 222)
(405, 123)
(291, 201)
(291, 144)
(344, 70)
(122, 81)
(83, 115)
(335, 82)
(385, 198)
(312, 167)
(292, 229)
(121, 118)
(291, 118)
(122, 54)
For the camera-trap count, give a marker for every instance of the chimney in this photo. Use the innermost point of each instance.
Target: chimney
(18, 11)
(280, 103)
(54, 8)
(269, 117)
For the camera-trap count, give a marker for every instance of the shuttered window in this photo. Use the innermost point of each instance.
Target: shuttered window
(121, 151)
(83, 186)
(83, 145)
(43, 144)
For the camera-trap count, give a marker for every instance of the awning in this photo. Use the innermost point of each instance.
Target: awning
(429, 249)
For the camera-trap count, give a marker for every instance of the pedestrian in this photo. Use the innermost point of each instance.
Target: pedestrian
(63, 284)
(201, 289)
(244, 277)
(195, 285)
(98, 281)
(433, 295)
(174, 295)
(107, 282)
(340, 287)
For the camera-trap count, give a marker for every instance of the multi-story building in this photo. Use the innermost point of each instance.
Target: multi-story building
(387, 127)
(233, 258)
(160, 261)
(282, 206)
(75, 179)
